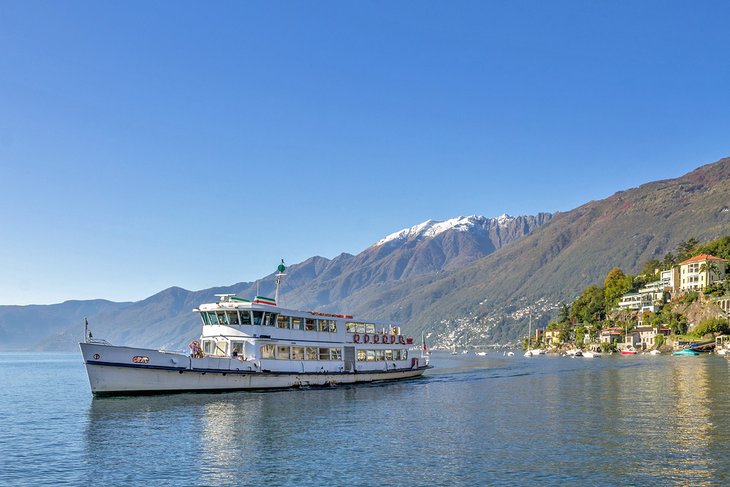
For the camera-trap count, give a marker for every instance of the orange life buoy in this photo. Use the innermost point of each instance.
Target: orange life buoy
(356, 338)
(376, 339)
(366, 339)
(402, 340)
(392, 338)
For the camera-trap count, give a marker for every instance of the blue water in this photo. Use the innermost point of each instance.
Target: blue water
(472, 421)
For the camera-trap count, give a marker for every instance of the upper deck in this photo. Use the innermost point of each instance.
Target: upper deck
(262, 318)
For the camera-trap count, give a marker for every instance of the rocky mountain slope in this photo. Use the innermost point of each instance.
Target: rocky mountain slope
(468, 281)
(490, 300)
(165, 319)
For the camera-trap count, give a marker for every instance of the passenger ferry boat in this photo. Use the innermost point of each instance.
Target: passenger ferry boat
(257, 345)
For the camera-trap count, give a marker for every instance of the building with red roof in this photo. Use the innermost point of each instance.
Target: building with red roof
(701, 271)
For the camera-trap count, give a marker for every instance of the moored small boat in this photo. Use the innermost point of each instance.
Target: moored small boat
(686, 351)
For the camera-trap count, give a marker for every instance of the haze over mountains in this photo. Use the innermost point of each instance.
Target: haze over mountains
(468, 280)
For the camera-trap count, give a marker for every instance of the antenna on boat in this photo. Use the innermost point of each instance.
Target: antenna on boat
(86, 330)
(279, 275)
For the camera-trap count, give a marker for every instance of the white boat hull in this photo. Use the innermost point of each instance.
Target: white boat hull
(112, 371)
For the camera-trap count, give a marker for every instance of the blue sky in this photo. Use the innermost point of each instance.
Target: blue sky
(151, 144)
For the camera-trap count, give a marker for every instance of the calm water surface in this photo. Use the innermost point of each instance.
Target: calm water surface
(472, 421)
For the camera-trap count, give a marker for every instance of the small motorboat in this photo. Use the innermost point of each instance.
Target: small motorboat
(686, 351)
(592, 354)
(655, 352)
(629, 351)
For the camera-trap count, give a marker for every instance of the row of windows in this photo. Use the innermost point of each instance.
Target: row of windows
(264, 318)
(365, 328)
(283, 352)
(381, 355)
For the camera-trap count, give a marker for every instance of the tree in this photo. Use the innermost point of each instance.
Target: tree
(669, 261)
(711, 325)
(564, 313)
(615, 285)
(590, 307)
(685, 250)
(712, 269)
(719, 247)
(648, 272)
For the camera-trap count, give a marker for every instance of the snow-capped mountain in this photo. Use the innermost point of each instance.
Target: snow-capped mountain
(433, 228)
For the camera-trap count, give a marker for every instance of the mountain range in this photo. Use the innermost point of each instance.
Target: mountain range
(465, 281)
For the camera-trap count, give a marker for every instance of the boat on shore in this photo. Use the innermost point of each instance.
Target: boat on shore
(257, 345)
(629, 351)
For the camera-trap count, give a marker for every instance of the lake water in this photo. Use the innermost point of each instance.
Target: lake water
(471, 421)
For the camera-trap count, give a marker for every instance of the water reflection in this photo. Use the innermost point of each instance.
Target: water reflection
(617, 421)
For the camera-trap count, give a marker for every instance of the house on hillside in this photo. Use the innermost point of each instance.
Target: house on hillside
(648, 334)
(670, 279)
(648, 298)
(552, 337)
(701, 271)
(633, 339)
(610, 335)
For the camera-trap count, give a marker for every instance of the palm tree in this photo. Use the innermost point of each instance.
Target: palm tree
(711, 269)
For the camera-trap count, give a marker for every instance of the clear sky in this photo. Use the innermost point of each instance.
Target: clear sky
(158, 143)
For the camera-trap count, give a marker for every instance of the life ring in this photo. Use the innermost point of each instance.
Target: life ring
(392, 338)
(366, 339)
(376, 339)
(356, 338)
(402, 340)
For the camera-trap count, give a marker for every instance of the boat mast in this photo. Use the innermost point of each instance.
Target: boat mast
(280, 274)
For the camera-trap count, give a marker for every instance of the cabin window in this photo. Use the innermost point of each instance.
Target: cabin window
(245, 317)
(213, 318)
(221, 348)
(282, 321)
(361, 356)
(369, 328)
(379, 356)
(233, 317)
(351, 327)
(324, 353)
(371, 355)
(312, 353)
(333, 326)
(404, 354)
(282, 353)
(297, 353)
(258, 317)
(360, 328)
(389, 355)
(270, 319)
(222, 317)
(208, 347)
(267, 351)
(335, 354)
(204, 317)
(310, 324)
(297, 323)
(236, 349)
(324, 325)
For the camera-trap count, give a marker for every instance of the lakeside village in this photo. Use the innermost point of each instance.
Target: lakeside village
(681, 303)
